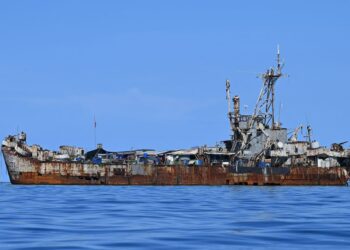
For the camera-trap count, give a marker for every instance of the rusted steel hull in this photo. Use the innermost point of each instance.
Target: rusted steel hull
(25, 170)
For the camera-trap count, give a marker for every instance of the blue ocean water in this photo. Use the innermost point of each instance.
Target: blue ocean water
(143, 217)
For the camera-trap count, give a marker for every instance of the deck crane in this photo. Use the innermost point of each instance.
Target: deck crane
(295, 134)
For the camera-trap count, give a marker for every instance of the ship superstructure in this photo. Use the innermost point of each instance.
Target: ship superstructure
(259, 152)
(259, 139)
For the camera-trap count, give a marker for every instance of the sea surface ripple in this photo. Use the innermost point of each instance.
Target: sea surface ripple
(174, 217)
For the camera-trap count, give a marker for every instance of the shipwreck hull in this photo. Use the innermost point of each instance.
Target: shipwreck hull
(26, 170)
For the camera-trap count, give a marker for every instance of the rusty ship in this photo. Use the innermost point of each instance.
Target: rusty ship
(259, 152)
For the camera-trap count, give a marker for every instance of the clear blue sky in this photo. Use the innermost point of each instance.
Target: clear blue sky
(154, 72)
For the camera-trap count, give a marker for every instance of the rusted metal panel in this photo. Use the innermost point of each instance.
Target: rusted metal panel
(25, 170)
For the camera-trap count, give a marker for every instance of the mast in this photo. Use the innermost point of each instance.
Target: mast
(279, 73)
(95, 145)
(228, 98)
(265, 106)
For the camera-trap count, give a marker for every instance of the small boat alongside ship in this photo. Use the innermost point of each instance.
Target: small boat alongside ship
(259, 152)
